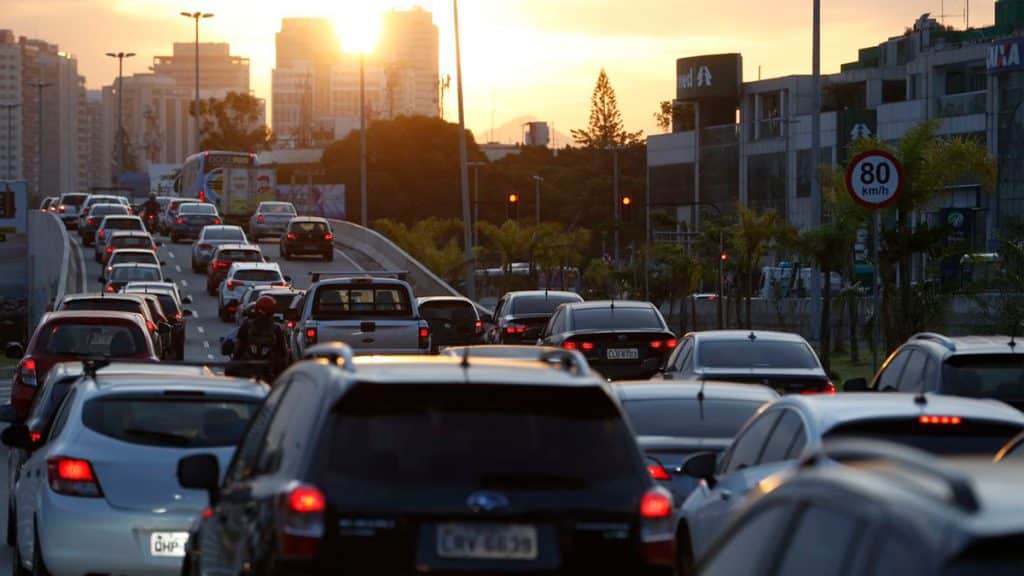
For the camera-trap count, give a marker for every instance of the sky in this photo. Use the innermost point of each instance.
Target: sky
(537, 58)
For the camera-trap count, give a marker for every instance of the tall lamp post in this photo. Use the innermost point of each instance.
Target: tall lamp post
(10, 140)
(538, 181)
(816, 199)
(197, 16)
(467, 236)
(363, 195)
(122, 141)
(476, 166)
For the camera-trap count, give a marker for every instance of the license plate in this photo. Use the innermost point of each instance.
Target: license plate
(168, 544)
(487, 541)
(623, 354)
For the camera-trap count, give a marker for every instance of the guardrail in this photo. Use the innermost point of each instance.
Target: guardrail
(49, 255)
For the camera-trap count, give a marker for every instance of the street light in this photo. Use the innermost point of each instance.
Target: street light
(197, 16)
(467, 236)
(10, 128)
(538, 180)
(476, 198)
(122, 141)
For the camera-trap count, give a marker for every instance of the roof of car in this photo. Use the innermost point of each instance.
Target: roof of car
(425, 299)
(144, 284)
(276, 203)
(255, 266)
(830, 411)
(135, 265)
(449, 370)
(121, 217)
(163, 381)
(300, 219)
(542, 294)
(992, 344)
(648, 390)
(249, 247)
(608, 304)
(131, 251)
(75, 368)
(732, 335)
(99, 296)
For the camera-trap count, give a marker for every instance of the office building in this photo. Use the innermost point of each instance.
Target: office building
(409, 51)
(11, 125)
(219, 71)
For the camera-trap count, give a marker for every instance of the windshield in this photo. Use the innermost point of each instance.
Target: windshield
(449, 311)
(200, 209)
(135, 273)
(525, 305)
(73, 199)
(688, 418)
(277, 209)
(239, 256)
(230, 234)
(169, 422)
(76, 340)
(270, 276)
(123, 224)
(755, 354)
(616, 319)
(133, 257)
(969, 437)
(103, 304)
(105, 209)
(345, 301)
(985, 376)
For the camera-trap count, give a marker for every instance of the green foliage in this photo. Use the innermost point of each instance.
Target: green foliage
(598, 278)
(434, 242)
(750, 239)
(606, 128)
(680, 114)
(231, 124)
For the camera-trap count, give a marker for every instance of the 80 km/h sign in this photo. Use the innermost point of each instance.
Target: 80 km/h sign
(874, 179)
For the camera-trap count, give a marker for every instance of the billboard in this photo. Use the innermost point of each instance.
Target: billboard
(326, 200)
(13, 207)
(1005, 55)
(709, 77)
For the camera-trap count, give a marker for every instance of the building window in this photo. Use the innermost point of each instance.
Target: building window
(805, 169)
(766, 182)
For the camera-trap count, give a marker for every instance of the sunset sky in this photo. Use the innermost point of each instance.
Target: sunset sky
(521, 57)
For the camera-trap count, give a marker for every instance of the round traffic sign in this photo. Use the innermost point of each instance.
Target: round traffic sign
(874, 179)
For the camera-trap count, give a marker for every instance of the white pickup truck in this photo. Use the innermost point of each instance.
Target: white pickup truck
(372, 312)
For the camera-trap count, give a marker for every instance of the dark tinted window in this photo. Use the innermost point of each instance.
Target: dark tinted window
(258, 275)
(688, 417)
(131, 242)
(168, 303)
(966, 438)
(782, 438)
(891, 372)
(45, 406)
(240, 255)
(203, 209)
(481, 437)
(755, 354)
(123, 224)
(899, 556)
(344, 301)
(132, 257)
(747, 448)
(912, 379)
(74, 199)
(244, 460)
(135, 273)
(230, 234)
(308, 227)
(538, 304)
(102, 304)
(991, 557)
(105, 209)
(821, 544)
(616, 319)
(69, 339)
(163, 421)
(455, 312)
(985, 376)
(746, 551)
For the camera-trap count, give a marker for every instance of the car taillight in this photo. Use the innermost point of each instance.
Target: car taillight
(110, 249)
(260, 219)
(570, 346)
(152, 216)
(35, 436)
(216, 221)
(587, 346)
(90, 221)
(202, 195)
(424, 336)
(281, 283)
(291, 324)
(72, 477)
(180, 220)
(302, 522)
(232, 284)
(310, 335)
(151, 326)
(220, 264)
(515, 329)
(829, 389)
(27, 372)
(328, 236)
(656, 531)
(664, 344)
(109, 288)
(941, 420)
(658, 472)
(206, 246)
(478, 327)
(103, 233)
(177, 315)
(63, 209)
(291, 236)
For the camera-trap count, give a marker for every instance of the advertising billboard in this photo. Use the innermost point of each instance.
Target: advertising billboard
(326, 200)
(709, 77)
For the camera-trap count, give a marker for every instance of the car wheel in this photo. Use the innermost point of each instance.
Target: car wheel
(684, 552)
(38, 566)
(284, 254)
(12, 525)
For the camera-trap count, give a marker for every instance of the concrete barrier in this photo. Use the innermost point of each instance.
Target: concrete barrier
(49, 254)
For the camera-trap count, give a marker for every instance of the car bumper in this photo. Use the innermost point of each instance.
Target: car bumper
(267, 229)
(88, 535)
(300, 247)
(644, 370)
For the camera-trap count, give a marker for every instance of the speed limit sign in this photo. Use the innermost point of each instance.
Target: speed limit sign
(874, 179)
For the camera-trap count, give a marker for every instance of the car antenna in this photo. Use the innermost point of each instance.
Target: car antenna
(465, 358)
(700, 399)
(1013, 336)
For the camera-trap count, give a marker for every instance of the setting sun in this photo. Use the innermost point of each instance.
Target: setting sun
(358, 26)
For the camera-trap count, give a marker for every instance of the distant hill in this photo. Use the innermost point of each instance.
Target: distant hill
(511, 132)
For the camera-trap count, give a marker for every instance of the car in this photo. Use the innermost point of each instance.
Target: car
(169, 213)
(307, 235)
(164, 327)
(103, 302)
(107, 227)
(242, 275)
(109, 464)
(674, 420)
(93, 200)
(49, 204)
(284, 299)
(160, 286)
(191, 219)
(125, 240)
(972, 366)
(271, 219)
(210, 237)
(453, 320)
(131, 256)
(87, 225)
(249, 296)
(787, 430)
(506, 351)
(223, 256)
(887, 510)
(398, 465)
(67, 336)
(172, 304)
(124, 273)
(621, 339)
(783, 361)
(68, 208)
(516, 312)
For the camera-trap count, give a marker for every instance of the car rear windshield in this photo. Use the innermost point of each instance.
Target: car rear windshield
(240, 256)
(258, 276)
(347, 301)
(106, 209)
(277, 209)
(102, 304)
(687, 417)
(123, 224)
(480, 437)
(135, 274)
(205, 209)
(308, 227)
(132, 242)
(999, 556)
(755, 354)
(68, 339)
(616, 319)
(170, 421)
(450, 311)
(73, 199)
(133, 258)
(968, 437)
(985, 376)
(231, 234)
(539, 304)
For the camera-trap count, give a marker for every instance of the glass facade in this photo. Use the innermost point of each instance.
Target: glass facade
(1010, 195)
(766, 182)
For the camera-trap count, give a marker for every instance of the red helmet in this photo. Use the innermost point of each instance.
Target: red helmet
(265, 306)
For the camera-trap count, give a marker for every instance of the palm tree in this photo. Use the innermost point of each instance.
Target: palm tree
(510, 243)
(750, 239)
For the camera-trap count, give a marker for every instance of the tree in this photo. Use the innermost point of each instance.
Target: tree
(750, 239)
(509, 243)
(606, 128)
(232, 124)
(681, 115)
(434, 242)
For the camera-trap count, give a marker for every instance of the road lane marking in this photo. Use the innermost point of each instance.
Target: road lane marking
(177, 268)
(209, 357)
(171, 252)
(184, 283)
(201, 330)
(206, 344)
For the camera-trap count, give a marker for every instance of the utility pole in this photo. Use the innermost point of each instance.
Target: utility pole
(10, 140)
(476, 198)
(467, 236)
(615, 205)
(122, 140)
(816, 200)
(538, 181)
(363, 211)
(197, 16)
(39, 136)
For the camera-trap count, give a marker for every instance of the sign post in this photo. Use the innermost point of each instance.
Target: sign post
(874, 179)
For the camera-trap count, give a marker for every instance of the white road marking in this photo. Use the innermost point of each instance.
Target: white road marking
(184, 283)
(206, 344)
(209, 357)
(201, 330)
(171, 252)
(177, 268)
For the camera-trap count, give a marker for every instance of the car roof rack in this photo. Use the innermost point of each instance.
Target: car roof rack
(570, 361)
(396, 274)
(919, 463)
(944, 341)
(333, 352)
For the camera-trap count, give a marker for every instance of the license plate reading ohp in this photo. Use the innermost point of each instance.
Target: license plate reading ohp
(623, 354)
(487, 541)
(168, 544)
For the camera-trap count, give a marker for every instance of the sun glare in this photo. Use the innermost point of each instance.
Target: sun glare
(358, 26)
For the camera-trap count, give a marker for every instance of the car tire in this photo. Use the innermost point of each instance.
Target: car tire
(38, 565)
(684, 552)
(12, 525)
(284, 254)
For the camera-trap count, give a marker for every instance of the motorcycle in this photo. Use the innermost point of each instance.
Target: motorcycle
(151, 222)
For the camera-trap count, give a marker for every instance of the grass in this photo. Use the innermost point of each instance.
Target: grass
(845, 369)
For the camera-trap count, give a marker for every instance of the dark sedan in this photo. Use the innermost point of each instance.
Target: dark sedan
(454, 321)
(519, 311)
(308, 236)
(191, 220)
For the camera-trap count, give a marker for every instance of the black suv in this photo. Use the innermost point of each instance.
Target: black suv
(889, 511)
(306, 235)
(518, 312)
(453, 320)
(971, 366)
(398, 466)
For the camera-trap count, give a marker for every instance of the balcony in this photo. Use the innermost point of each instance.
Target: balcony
(962, 104)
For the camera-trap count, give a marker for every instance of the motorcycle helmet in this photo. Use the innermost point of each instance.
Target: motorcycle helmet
(264, 306)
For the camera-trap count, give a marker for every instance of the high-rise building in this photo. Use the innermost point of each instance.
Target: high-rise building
(60, 100)
(219, 71)
(11, 125)
(409, 50)
(97, 161)
(311, 44)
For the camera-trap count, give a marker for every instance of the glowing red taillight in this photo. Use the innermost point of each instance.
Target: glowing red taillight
(515, 329)
(328, 236)
(424, 337)
(941, 420)
(587, 346)
(216, 220)
(301, 529)
(109, 288)
(151, 326)
(202, 196)
(73, 477)
(478, 327)
(658, 472)
(305, 499)
(27, 372)
(232, 284)
(570, 345)
(291, 236)
(829, 389)
(260, 219)
(310, 335)
(180, 220)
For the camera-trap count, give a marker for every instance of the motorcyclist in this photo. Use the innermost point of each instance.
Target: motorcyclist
(151, 211)
(260, 338)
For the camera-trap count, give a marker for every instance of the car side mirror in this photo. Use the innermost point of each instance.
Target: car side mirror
(701, 466)
(9, 414)
(15, 350)
(227, 348)
(856, 385)
(17, 436)
(186, 300)
(200, 472)
(532, 334)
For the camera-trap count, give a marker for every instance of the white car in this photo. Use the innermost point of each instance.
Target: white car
(209, 239)
(94, 199)
(242, 275)
(132, 256)
(110, 224)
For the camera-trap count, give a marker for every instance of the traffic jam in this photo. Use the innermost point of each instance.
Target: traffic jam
(344, 424)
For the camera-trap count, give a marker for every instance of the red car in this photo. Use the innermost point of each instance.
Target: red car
(73, 336)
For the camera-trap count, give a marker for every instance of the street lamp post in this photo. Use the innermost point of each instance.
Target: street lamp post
(197, 16)
(470, 282)
(538, 181)
(476, 198)
(10, 130)
(122, 141)
(363, 209)
(816, 199)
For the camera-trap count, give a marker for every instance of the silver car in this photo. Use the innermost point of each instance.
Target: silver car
(242, 275)
(209, 239)
(101, 495)
(114, 223)
(271, 219)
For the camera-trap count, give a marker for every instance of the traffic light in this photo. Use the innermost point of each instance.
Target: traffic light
(626, 209)
(512, 206)
(725, 257)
